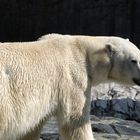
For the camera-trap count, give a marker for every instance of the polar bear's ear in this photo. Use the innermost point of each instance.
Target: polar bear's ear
(127, 39)
(109, 50)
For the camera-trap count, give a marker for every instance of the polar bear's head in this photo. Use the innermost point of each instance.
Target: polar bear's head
(113, 59)
(125, 61)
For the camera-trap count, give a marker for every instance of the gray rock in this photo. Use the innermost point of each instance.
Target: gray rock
(50, 131)
(116, 100)
(104, 128)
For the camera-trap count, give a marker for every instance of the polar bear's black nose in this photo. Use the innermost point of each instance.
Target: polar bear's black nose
(136, 81)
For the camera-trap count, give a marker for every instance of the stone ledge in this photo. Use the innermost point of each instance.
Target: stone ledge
(104, 128)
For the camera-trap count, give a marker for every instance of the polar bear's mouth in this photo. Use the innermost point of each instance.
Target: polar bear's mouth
(136, 81)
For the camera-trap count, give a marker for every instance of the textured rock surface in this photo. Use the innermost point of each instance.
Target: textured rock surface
(107, 128)
(116, 100)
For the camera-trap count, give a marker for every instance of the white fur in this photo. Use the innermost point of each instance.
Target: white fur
(53, 77)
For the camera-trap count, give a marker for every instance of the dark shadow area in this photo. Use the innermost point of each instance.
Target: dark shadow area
(27, 20)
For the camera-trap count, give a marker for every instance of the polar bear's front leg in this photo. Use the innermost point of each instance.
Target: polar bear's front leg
(77, 132)
(73, 117)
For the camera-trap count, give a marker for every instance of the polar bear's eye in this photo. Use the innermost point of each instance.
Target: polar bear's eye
(134, 61)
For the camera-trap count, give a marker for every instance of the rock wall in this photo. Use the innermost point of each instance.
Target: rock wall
(23, 20)
(106, 128)
(116, 100)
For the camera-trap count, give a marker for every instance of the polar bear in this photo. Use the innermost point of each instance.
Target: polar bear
(53, 77)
